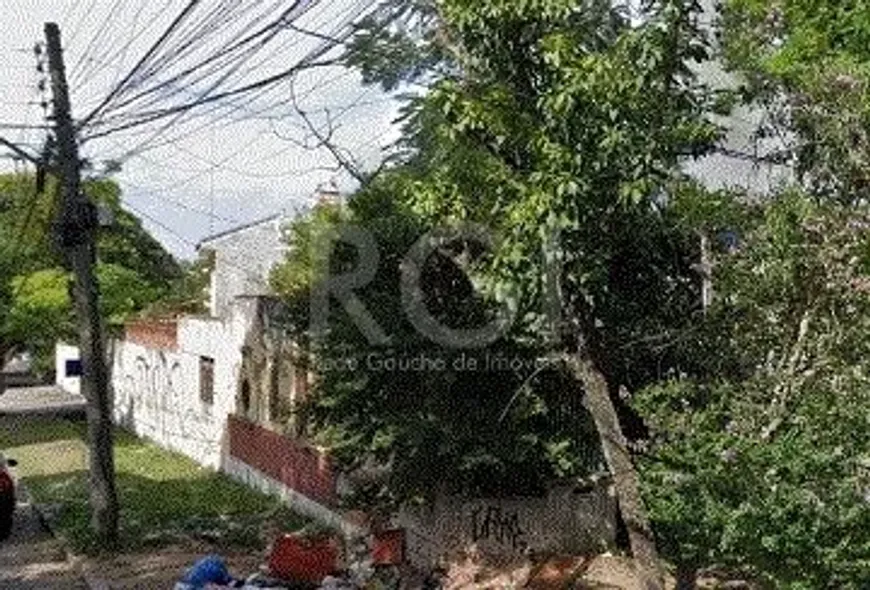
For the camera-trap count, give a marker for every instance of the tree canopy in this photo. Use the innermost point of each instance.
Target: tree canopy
(561, 128)
(133, 268)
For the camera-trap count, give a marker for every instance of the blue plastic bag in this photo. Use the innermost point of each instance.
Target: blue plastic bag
(208, 570)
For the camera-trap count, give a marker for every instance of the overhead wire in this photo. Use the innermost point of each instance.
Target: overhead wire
(185, 12)
(117, 57)
(295, 172)
(226, 88)
(96, 41)
(147, 117)
(31, 205)
(162, 196)
(122, 55)
(249, 115)
(186, 41)
(180, 238)
(77, 28)
(262, 36)
(172, 232)
(173, 53)
(238, 40)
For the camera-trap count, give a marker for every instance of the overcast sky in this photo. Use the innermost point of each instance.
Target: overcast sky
(206, 173)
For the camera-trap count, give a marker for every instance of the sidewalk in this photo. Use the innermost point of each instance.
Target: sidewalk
(40, 400)
(32, 559)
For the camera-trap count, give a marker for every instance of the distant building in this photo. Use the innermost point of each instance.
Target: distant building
(243, 258)
(746, 160)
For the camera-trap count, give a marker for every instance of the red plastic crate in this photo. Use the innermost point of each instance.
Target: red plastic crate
(303, 560)
(388, 547)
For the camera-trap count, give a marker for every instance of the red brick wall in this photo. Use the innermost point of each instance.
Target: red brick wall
(296, 465)
(161, 334)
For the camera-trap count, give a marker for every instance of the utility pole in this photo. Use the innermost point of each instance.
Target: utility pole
(76, 234)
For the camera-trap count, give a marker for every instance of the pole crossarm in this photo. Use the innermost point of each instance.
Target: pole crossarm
(21, 152)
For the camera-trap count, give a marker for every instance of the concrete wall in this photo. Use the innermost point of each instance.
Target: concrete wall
(157, 390)
(243, 260)
(569, 519)
(153, 333)
(156, 384)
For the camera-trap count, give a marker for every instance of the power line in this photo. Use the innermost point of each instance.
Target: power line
(118, 55)
(342, 32)
(191, 4)
(181, 205)
(150, 117)
(227, 50)
(158, 223)
(19, 126)
(100, 34)
(170, 55)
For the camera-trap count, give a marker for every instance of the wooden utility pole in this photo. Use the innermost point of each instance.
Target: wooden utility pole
(76, 234)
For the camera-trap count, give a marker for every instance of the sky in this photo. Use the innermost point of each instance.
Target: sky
(226, 165)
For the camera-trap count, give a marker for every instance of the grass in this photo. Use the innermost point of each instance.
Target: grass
(165, 497)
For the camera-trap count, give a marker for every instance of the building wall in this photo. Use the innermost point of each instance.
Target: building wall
(156, 394)
(153, 333)
(62, 354)
(289, 468)
(157, 389)
(243, 261)
(254, 478)
(720, 171)
(570, 519)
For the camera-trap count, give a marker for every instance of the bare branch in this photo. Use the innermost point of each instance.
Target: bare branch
(324, 139)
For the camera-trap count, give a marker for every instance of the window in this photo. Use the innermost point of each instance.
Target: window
(245, 400)
(206, 379)
(73, 368)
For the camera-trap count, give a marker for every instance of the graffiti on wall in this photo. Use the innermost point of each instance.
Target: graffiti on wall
(492, 523)
(150, 398)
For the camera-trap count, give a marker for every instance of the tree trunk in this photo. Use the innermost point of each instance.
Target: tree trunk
(625, 478)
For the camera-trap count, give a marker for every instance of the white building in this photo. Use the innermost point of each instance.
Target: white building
(243, 259)
(745, 159)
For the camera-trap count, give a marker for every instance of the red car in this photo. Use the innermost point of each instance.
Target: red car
(7, 496)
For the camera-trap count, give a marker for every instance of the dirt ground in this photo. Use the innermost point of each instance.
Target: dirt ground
(31, 559)
(599, 572)
(602, 572)
(159, 569)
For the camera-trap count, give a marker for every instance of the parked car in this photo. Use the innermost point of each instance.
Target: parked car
(7, 495)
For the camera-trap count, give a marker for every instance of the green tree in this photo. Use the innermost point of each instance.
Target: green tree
(808, 63)
(133, 270)
(764, 468)
(25, 216)
(561, 127)
(188, 292)
(454, 420)
(755, 462)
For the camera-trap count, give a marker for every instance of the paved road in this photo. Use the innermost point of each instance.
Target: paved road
(31, 559)
(40, 400)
